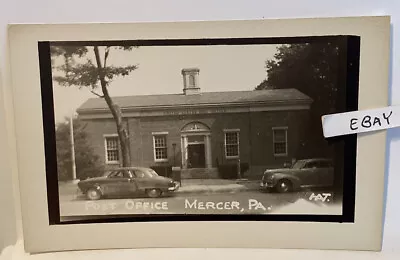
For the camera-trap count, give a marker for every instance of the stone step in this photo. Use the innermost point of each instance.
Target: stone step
(200, 173)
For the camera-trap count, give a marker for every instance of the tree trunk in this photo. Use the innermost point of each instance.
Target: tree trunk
(116, 113)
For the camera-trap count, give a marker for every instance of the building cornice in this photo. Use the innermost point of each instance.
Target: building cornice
(202, 109)
(203, 105)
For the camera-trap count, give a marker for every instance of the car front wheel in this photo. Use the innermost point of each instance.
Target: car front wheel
(153, 193)
(284, 186)
(93, 194)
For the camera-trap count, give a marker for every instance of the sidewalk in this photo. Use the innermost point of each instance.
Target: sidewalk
(198, 186)
(189, 186)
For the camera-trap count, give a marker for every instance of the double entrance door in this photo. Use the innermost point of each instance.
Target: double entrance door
(196, 150)
(196, 155)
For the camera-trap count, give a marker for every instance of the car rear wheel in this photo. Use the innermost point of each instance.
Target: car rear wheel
(93, 194)
(284, 186)
(153, 193)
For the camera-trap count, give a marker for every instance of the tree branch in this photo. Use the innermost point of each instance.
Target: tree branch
(104, 89)
(107, 51)
(97, 94)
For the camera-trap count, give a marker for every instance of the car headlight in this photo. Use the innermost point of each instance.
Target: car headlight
(270, 178)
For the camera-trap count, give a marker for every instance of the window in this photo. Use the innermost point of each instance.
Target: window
(112, 149)
(192, 81)
(139, 174)
(298, 164)
(160, 147)
(145, 174)
(319, 164)
(280, 141)
(119, 174)
(312, 165)
(231, 143)
(114, 175)
(325, 164)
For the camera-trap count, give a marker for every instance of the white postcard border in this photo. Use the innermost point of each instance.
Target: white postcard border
(364, 234)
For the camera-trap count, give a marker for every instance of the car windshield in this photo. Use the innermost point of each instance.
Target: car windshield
(298, 165)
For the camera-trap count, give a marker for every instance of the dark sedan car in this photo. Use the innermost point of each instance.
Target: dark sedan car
(302, 174)
(128, 181)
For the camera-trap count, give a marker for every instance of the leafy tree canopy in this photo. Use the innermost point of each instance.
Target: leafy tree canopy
(80, 70)
(87, 162)
(84, 69)
(313, 69)
(310, 68)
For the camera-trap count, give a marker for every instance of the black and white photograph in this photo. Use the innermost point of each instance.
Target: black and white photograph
(196, 128)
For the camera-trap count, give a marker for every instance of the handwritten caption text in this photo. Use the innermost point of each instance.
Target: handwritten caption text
(360, 121)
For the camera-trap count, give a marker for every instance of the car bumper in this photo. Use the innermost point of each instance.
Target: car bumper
(264, 186)
(174, 188)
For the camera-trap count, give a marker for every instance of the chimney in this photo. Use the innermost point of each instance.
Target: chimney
(191, 81)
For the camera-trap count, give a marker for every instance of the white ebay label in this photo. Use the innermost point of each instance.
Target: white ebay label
(360, 121)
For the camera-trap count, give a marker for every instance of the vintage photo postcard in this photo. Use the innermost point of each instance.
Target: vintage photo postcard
(216, 127)
(203, 134)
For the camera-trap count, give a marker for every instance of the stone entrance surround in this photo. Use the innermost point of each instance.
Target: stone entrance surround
(196, 133)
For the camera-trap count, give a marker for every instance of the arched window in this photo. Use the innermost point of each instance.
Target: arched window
(192, 81)
(195, 127)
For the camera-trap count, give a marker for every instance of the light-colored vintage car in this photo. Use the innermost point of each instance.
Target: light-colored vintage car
(128, 181)
(302, 174)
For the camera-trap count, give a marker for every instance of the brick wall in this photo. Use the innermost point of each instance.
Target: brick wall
(256, 141)
(173, 125)
(261, 138)
(96, 129)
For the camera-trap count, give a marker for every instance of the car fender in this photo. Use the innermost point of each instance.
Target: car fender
(156, 185)
(153, 183)
(85, 185)
(97, 187)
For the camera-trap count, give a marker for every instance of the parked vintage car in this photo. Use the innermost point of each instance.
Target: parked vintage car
(128, 181)
(302, 174)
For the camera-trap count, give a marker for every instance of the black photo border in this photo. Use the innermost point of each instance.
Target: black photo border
(349, 60)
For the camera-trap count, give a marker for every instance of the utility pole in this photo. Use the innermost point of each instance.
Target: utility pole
(71, 127)
(238, 161)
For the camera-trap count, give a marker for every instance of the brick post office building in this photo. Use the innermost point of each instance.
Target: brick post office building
(202, 132)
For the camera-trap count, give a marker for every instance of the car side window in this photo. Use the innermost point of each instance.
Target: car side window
(113, 174)
(130, 174)
(125, 174)
(319, 164)
(311, 165)
(117, 174)
(139, 174)
(324, 164)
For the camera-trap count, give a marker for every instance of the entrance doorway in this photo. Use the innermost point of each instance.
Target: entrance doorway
(196, 146)
(196, 156)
